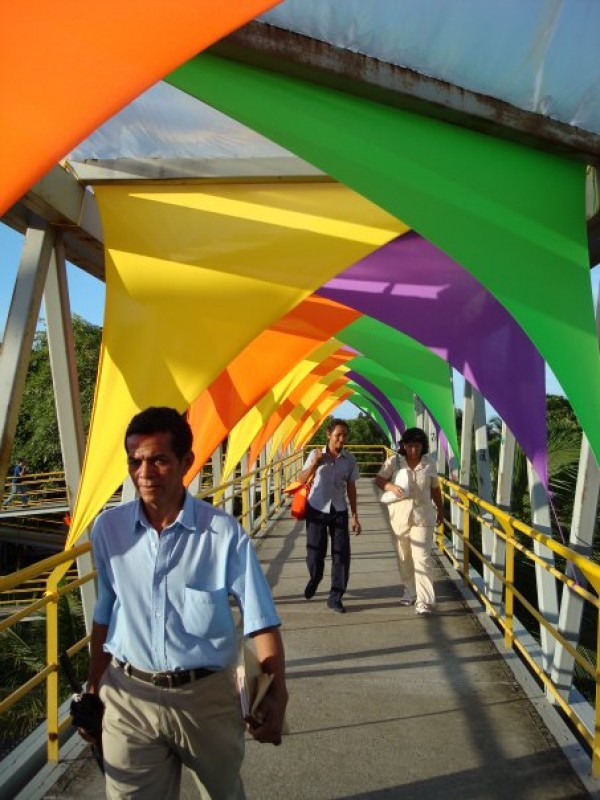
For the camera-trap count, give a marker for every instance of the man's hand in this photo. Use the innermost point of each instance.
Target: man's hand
(267, 726)
(356, 526)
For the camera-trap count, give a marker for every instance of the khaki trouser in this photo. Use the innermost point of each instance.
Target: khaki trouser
(149, 732)
(414, 544)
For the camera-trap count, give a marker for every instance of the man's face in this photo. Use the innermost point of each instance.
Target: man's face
(155, 470)
(337, 438)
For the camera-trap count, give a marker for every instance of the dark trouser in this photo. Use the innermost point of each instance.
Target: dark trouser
(318, 526)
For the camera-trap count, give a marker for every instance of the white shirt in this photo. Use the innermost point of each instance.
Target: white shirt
(421, 480)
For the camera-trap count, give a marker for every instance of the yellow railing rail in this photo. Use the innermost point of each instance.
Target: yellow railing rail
(256, 498)
(36, 489)
(518, 538)
(52, 578)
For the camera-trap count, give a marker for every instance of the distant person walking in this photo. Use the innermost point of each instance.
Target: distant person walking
(334, 472)
(18, 484)
(414, 517)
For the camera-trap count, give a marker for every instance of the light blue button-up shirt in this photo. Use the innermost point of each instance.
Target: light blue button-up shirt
(329, 484)
(165, 598)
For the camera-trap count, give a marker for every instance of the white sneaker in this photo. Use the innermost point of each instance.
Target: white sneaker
(407, 601)
(423, 608)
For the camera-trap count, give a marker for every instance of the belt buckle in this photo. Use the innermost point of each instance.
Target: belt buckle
(160, 680)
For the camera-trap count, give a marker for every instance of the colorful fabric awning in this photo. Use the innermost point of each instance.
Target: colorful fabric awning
(514, 217)
(66, 67)
(193, 275)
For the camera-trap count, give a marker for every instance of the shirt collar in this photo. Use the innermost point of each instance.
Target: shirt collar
(185, 518)
(342, 452)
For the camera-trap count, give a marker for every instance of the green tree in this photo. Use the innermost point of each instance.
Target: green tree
(36, 437)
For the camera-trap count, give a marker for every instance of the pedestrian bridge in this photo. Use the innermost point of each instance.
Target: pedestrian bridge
(384, 703)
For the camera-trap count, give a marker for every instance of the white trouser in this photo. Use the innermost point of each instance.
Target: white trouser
(149, 732)
(414, 544)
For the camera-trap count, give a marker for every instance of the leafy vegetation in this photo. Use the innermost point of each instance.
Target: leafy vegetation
(36, 437)
(23, 655)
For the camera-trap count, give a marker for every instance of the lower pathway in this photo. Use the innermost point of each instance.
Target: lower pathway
(385, 704)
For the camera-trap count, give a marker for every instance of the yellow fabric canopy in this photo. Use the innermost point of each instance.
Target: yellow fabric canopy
(337, 359)
(257, 368)
(248, 427)
(193, 274)
(294, 421)
(318, 414)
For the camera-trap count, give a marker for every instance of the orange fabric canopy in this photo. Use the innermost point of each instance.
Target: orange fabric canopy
(67, 66)
(257, 368)
(335, 360)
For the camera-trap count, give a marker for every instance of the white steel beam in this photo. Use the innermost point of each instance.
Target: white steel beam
(493, 586)
(67, 399)
(581, 540)
(464, 476)
(545, 583)
(585, 508)
(18, 336)
(506, 465)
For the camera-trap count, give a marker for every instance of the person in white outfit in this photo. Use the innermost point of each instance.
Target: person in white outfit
(414, 517)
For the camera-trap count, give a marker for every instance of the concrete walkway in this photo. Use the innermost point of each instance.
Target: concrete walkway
(384, 703)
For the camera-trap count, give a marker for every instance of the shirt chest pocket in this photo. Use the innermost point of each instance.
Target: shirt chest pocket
(207, 614)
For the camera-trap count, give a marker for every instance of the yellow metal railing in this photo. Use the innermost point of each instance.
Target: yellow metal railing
(35, 490)
(255, 499)
(38, 588)
(519, 538)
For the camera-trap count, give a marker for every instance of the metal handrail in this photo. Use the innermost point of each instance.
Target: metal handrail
(505, 527)
(257, 497)
(255, 516)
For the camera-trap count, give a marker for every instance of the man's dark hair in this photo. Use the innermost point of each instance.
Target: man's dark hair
(331, 426)
(162, 419)
(412, 436)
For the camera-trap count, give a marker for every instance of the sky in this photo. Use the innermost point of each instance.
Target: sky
(87, 301)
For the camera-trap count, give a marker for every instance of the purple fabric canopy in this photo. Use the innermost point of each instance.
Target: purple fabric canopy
(416, 288)
(392, 418)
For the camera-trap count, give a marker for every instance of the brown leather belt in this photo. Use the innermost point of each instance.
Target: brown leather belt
(168, 680)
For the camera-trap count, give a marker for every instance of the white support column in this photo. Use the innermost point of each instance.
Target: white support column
(68, 406)
(128, 492)
(217, 465)
(432, 436)
(64, 371)
(506, 464)
(581, 539)
(493, 586)
(18, 335)
(464, 477)
(419, 412)
(195, 483)
(545, 583)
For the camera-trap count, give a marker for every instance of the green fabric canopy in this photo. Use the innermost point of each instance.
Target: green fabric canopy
(411, 364)
(399, 395)
(513, 216)
(367, 405)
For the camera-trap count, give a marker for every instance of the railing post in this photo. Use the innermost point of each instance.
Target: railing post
(52, 659)
(509, 574)
(276, 466)
(264, 489)
(466, 535)
(596, 743)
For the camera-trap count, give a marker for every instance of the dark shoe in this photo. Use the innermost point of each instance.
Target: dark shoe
(311, 588)
(335, 604)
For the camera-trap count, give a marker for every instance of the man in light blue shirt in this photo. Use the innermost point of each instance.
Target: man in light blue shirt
(334, 472)
(164, 647)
